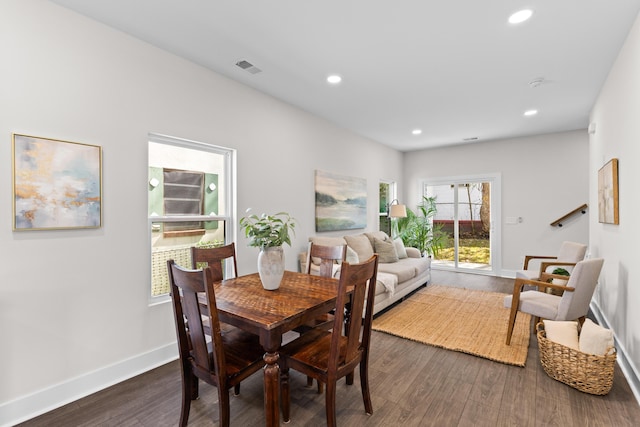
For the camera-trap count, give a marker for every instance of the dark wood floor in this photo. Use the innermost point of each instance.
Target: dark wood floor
(411, 385)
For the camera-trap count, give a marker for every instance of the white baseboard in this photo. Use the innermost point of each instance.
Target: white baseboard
(32, 405)
(628, 369)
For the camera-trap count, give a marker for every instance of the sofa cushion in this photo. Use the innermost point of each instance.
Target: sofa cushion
(386, 250)
(361, 244)
(402, 270)
(400, 249)
(420, 265)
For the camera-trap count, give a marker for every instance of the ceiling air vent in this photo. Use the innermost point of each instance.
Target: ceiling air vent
(248, 66)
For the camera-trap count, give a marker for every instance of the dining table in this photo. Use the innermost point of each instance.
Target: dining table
(245, 304)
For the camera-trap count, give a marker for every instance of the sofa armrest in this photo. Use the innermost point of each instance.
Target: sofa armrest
(413, 252)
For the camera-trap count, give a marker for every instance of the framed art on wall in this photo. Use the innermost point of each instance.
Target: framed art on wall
(341, 202)
(56, 184)
(608, 193)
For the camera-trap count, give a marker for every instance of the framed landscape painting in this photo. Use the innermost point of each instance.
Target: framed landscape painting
(608, 193)
(56, 184)
(341, 202)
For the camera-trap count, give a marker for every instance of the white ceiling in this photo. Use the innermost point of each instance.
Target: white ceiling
(455, 69)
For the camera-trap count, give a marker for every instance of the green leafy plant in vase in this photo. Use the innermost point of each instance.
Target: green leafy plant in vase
(269, 233)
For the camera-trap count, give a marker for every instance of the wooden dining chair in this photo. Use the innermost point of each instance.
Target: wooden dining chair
(224, 361)
(214, 258)
(330, 355)
(327, 258)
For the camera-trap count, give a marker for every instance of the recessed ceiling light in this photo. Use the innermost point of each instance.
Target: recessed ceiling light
(416, 131)
(529, 113)
(334, 79)
(520, 16)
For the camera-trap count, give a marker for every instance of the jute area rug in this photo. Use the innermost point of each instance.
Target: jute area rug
(468, 321)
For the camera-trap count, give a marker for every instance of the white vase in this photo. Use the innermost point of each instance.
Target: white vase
(271, 267)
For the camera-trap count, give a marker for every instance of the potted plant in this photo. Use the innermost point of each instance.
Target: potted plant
(418, 230)
(269, 233)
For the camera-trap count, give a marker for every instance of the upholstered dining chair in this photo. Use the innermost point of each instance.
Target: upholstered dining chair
(570, 253)
(571, 305)
(224, 361)
(213, 258)
(330, 355)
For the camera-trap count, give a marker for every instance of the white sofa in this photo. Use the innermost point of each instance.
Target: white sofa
(398, 275)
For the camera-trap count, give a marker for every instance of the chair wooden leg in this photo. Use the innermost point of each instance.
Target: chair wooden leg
(349, 378)
(187, 396)
(330, 403)
(195, 387)
(364, 384)
(285, 397)
(236, 389)
(224, 406)
(512, 322)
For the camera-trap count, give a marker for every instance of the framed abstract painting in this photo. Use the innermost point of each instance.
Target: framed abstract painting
(608, 193)
(341, 202)
(56, 184)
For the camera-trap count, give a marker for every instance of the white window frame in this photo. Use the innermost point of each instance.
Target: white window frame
(230, 193)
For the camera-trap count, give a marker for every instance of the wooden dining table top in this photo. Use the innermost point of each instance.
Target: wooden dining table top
(243, 302)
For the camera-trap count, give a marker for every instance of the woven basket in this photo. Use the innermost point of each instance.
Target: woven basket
(585, 372)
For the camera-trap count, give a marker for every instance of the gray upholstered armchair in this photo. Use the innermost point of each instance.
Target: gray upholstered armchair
(571, 305)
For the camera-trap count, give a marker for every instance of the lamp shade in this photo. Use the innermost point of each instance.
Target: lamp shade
(397, 211)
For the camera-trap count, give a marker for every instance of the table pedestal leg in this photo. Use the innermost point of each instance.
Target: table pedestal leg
(271, 389)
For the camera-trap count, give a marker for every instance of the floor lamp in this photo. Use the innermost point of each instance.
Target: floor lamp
(396, 210)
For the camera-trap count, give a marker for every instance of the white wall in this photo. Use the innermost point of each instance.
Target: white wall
(617, 135)
(543, 178)
(74, 312)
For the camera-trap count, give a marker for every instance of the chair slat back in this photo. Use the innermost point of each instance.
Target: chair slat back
(328, 256)
(213, 258)
(362, 277)
(189, 312)
(583, 279)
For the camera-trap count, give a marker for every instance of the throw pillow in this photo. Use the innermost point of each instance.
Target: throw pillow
(386, 251)
(371, 235)
(562, 332)
(360, 243)
(400, 249)
(352, 256)
(594, 339)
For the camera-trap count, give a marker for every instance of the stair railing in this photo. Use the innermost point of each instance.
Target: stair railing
(558, 222)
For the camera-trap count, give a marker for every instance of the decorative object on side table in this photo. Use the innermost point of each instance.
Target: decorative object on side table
(269, 233)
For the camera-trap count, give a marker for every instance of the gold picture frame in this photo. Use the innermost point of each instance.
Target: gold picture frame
(608, 193)
(56, 184)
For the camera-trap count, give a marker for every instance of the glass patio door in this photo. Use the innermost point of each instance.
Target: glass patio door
(464, 222)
